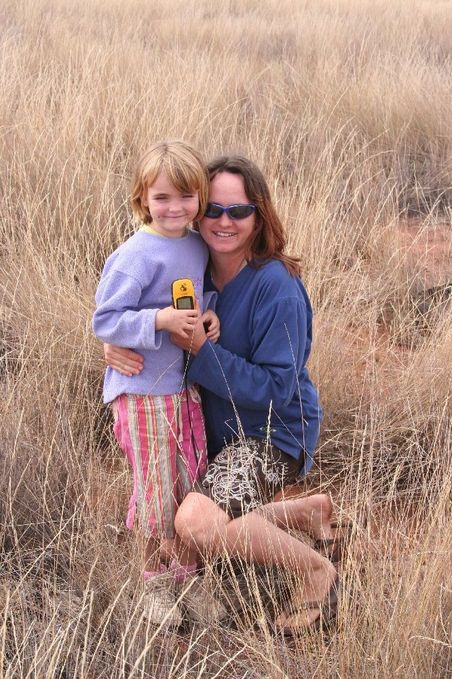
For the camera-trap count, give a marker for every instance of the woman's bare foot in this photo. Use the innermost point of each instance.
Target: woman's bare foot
(322, 588)
(318, 510)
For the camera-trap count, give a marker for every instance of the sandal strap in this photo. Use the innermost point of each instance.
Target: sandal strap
(333, 547)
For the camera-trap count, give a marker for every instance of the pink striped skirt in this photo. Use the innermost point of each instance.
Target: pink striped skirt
(163, 438)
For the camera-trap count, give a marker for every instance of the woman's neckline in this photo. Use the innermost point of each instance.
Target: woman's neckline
(221, 284)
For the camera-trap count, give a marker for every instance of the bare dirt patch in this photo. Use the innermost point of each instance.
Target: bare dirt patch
(428, 250)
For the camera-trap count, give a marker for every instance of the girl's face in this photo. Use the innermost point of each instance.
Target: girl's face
(224, 235)
(171, 210)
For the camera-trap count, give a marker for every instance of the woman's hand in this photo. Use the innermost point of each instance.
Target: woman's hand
(212, 324)
(125, 361)
(193, 343)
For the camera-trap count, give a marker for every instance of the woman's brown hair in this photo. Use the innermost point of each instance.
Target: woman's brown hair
(268, 240)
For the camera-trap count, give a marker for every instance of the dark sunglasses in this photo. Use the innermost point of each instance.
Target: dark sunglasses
(213, 211)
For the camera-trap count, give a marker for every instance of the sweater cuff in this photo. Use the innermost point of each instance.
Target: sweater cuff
(153, 337)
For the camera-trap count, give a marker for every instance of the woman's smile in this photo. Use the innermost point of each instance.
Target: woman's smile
(223, 234)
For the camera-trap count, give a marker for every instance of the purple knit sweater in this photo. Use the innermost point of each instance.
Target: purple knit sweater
(135, 284)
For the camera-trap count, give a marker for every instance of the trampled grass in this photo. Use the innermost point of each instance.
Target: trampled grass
(346, 107)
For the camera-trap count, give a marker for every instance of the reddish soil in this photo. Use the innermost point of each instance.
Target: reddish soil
(429, 250)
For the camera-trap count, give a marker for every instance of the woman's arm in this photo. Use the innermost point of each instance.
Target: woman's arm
(272, 371)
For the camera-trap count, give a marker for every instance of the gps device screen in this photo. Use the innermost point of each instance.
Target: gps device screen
(184, 303)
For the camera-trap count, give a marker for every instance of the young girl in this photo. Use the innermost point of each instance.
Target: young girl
(158, 418)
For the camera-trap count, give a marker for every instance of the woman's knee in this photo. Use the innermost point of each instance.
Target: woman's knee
(198, 520)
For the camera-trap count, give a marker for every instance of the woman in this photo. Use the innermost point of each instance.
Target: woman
(261, 408)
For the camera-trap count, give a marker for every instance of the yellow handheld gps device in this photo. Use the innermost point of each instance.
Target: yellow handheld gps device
(183, 294)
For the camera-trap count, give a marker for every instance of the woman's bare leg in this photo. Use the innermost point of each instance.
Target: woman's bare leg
(310, 514)
(202, 525)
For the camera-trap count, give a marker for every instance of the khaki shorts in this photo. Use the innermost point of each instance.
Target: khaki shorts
(247, 474)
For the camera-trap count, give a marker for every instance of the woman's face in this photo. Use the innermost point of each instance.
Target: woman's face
(224, 235)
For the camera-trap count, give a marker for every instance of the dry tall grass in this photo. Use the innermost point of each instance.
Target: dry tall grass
(345, 106)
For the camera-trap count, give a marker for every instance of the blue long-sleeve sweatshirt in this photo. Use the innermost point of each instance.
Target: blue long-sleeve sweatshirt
(254, 380)
(135, 284)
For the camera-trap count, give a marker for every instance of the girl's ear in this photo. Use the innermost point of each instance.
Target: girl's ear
(144, 200)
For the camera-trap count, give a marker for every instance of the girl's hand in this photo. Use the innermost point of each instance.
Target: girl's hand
(194, 342)
(125, 361)
(211, 321)
(178, 321)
